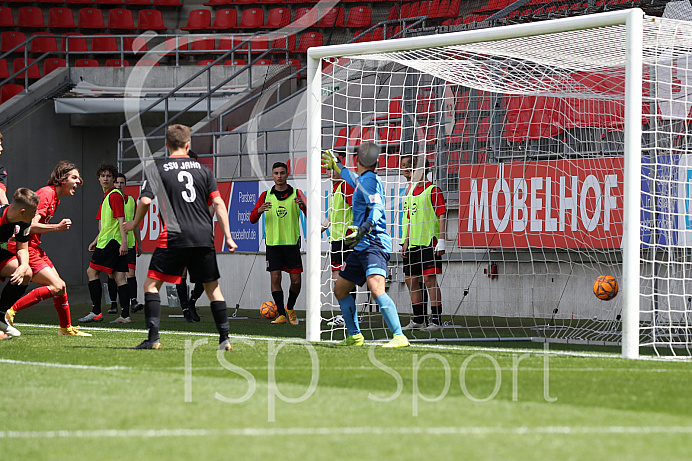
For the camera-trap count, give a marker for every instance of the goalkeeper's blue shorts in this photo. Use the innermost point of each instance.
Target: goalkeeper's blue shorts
(364, 263)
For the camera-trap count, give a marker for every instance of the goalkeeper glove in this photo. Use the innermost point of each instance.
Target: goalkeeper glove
(355, 234)
(330, 162)
(440, 246)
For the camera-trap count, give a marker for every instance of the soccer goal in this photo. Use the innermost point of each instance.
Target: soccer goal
(563, 153)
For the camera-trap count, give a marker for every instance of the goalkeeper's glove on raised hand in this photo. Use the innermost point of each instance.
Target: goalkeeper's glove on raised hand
(330, 162)
(355, 234)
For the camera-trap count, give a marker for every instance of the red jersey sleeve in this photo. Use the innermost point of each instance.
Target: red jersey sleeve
(117, 205)
(255, 214)
(42, 209)
(438, 201)
(305, 200)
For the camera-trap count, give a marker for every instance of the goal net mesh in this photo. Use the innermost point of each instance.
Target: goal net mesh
(524, 141)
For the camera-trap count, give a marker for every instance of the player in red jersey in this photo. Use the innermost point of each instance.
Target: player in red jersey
(64, 181)
(187, 189)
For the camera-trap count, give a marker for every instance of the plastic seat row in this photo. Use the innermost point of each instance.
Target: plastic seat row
(87, 18)
(49, 65)
(162, 3)
(44, 42)
(431, 9)
(208, 45)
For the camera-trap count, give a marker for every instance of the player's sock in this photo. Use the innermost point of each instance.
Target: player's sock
(436, 312)
(152, 314)
(113, 292)
(419, 313)
(197, 291)
(96, 292)
(124, 295)
(22, 302)
(278, 297)
(292, 297)
(132, 285)
(349, 312)
(181, 288)
(391, 316)
(62, 307)
(218, 310)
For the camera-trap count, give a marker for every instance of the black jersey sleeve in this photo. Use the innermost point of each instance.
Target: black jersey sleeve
(3, 178)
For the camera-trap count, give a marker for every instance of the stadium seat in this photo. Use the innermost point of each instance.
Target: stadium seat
(33, 71)
(9, 91)
(172, 3)
(85, 62)
(61, 18)
(147, 63)
(301, 166)
(252, 18)
(235, 62)
(278, 18)
(424, 9)
(333, 17)
(90, 18)
(409, 10)
(150, 20)
(6, 17)
(206, 62)
(359, 16)
(259, 44)
(394, 13)
(79, 2)
(120, 19)
(43, 42)
(135, 44)
(341, 139)
(49, 2)
(305, 17)
(225, 19)
(218, 2)
(4, 70)
(74, 42)
(175, 42)
(9, 40)
(358, 38)
(136, 3)
(389, 134)
(307, 40)
(280, 43)
(108, 2)
(107, 44)
(117, 63)
(227, 43)
(203, 45)
(198, 20)
(30, 17)
(263, 62)
(460, 133)
(396, 110)
(49, 65)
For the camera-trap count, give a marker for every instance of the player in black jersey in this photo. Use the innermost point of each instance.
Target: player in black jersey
(15, 220)
(185, 189)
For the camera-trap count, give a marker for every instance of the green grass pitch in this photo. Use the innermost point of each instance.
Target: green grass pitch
(274, 397)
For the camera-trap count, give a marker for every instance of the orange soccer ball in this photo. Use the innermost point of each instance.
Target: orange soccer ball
(605, 287)
(268, 310)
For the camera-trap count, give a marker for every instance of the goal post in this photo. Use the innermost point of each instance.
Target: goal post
(559, 147)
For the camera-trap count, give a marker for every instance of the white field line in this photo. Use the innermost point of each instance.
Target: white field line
(507, 350)
(346, 431)
(63, 365)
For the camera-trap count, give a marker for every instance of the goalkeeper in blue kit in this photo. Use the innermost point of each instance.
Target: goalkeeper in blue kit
(371, 246)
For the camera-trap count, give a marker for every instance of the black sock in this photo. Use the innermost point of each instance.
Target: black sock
(123, 293)
(218, 310)
(10, 295)
(152, 314)
(418, 313)
(436, 312)
(181, 288)
(292, 296)
(279, 301)
(426, 301)
(96, 292)
(113, 292)
(132, 285)
(197, 291)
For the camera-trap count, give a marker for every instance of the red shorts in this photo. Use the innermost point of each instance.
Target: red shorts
(38, 260)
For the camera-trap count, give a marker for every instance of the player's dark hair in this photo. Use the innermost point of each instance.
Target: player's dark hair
(193, 155)
(25, 197)
(107, 167)
(61, 172)
(121, 175)
(280, 165)
(177, 136)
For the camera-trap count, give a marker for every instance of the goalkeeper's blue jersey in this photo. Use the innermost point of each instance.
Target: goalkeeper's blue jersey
(368, 205)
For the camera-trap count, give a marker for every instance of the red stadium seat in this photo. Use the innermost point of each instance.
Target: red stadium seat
(108, 2)
(341, 139)
(4, 70)
(203, 45)
(259, 43)
(218, 2)
(6, 17)
(74, 42)
(278, 18)
(43, 42)
(396, 110)
(147, 63)
(108, 44)
(80, 2)
(150, 20)
(206, 62)
(198, 20)
(307, 40)
(424, 9)
(333, 17)
(389, 134)
(9, 91)
(86, 63)
(135, 44)
(305, 17)
(117, 63)
(252, 18)
(235, 62)
(9, 40)
(33, 71)
(263, 62)
(48, 2)
(49, 65)
(227, 43)
(301, 166)
(225, 19)
(136, 3)
(61, 18)
(394, 13)
(31, 17)
(90, 18)
(173, 3)
(280, 43)
(173, 43)
(120, 19)
(359, 16)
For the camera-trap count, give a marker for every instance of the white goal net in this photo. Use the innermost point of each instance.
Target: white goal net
(542, 147)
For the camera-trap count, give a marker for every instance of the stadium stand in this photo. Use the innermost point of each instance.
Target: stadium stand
(90, 18)
(30, 18)
(120, 19)
(198, 20)
(150, 20)
(49, 65)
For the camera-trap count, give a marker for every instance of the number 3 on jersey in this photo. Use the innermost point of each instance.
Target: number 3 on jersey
(189, 194)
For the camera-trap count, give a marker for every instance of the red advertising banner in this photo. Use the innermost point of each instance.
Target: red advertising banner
(546, 204)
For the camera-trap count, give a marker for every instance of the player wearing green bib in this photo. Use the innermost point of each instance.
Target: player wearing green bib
(281, 206)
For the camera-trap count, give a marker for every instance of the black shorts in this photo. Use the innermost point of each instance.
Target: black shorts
(339, 254)
(168, 264)
(132, 258)
(422, 261)
(284, 258)
(5, 257)
(108, 259)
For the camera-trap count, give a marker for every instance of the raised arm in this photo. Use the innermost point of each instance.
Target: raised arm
(222, 217)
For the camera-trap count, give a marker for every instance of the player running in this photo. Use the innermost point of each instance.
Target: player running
(371, 246)
(187, 236)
